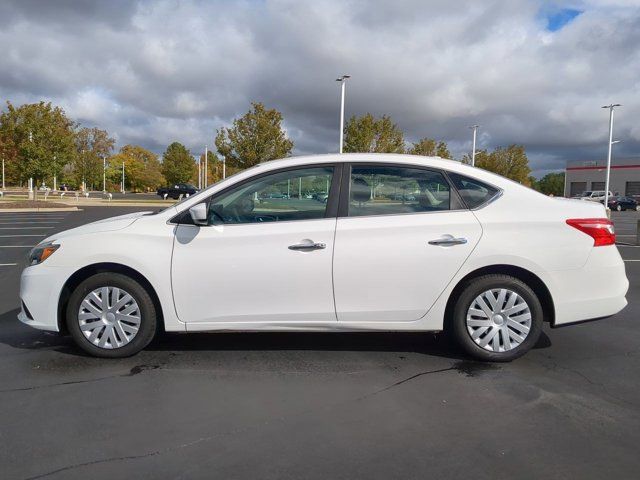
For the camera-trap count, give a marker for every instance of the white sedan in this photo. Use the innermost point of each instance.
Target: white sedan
(402, 243)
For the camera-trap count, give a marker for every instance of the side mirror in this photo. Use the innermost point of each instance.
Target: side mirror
(199, 214)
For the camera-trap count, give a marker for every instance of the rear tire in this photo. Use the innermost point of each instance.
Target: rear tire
(111, 315)
(497, 318)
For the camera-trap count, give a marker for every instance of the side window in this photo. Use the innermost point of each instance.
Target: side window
(283, 196)
(388, 190)
(473, 192)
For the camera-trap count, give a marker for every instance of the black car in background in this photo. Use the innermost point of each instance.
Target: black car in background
(174, 191)
(621, 203)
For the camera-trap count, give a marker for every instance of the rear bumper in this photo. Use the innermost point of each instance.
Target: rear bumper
(595, 291)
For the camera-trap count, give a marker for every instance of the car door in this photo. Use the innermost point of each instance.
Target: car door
(401, 236)
(265, 255)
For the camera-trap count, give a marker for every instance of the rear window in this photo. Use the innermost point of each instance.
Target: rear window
(473, 192)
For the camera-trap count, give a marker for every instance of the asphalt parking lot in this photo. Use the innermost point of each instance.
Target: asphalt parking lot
(319, 406)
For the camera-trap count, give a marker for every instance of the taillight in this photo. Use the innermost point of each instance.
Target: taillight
(600, 229)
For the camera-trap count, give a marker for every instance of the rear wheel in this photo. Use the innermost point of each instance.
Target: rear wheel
(619, 208)
(497, 318)
(111, 315)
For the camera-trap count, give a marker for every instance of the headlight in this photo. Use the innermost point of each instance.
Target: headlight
(41, 252)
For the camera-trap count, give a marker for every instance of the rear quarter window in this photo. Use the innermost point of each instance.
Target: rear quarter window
(474, 192)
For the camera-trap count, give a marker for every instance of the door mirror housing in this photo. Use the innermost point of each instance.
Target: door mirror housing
(199, 214)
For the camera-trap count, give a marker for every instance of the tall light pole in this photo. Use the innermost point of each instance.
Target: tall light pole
(343, 82)
(611, 142)
(2, 172)
(122, 177)
(55, 177)
(206, 165)
(104, 174)
(224, 167)
(473, 152)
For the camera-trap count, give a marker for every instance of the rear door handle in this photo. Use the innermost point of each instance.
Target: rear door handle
(448, 240)
(310, 245)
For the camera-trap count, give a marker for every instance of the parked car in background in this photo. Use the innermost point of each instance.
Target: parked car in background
(184, 189)
(620, 203)
(475, 254)
(594, 196)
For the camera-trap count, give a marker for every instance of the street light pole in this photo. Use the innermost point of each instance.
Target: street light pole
(343, 82)
(122, 177)
(611, 142)
(3, 172)
(473, 152)
(206, 165)
(104, 174)
(224, 167)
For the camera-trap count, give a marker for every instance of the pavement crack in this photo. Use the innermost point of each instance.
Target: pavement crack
(133, 371)
(408, 379)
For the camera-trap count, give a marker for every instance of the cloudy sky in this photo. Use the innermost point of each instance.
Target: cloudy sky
(153, 72)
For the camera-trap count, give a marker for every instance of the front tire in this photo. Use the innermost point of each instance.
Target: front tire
(111, 315)
(497, 318)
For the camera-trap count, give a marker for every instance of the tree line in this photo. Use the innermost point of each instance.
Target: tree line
(39, 141)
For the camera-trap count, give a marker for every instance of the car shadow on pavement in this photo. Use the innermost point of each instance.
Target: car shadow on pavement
(17, 335)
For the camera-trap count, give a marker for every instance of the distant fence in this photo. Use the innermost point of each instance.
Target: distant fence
(59, 194)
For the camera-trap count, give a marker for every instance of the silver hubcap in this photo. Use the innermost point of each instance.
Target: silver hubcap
(109, 317)
(498, 320)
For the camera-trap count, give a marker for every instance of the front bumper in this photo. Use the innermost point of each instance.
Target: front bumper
(40, 288)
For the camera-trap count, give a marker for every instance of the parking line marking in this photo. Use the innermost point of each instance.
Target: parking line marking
(23, 235)
(23, 228)
(17, 246)
(28, 223)
(632, 260)
(7, 264)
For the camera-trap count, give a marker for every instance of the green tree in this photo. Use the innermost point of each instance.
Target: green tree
(92, 145)
(551, 184)
(142, 169)
(371, 134)
(37, 141)
(429, 148)
(510, 162)
(178, 165)
(255, 137)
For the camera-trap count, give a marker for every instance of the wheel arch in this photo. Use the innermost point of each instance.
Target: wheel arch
(528, 277)
(87, 271)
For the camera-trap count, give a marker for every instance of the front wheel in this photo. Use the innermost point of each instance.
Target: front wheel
(497, 318)
(619, 208)
(111, 315)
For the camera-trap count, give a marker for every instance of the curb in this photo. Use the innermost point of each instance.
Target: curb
(56, 209)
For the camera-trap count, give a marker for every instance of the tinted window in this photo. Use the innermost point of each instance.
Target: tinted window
(284, 196)
(473, 192)
(382, 190)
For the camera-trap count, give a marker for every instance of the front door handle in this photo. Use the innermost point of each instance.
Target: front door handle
(448, 240)
(308, 245)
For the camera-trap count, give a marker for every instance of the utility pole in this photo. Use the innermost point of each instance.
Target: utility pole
(611, 142)
(206, 166)
(343, 82)
(473, 152)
